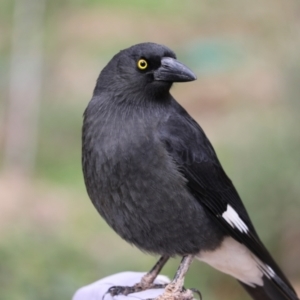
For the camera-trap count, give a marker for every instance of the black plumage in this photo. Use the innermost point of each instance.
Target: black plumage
(155, 178)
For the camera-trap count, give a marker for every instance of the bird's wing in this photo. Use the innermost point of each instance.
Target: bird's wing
(196, 159)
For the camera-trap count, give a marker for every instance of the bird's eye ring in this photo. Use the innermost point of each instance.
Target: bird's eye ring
(142, 64)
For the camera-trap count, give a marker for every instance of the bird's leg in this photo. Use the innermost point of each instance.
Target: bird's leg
(145, 283)
(148, 279)
(175, 289)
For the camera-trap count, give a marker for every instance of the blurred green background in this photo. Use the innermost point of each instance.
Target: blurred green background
(246, 56)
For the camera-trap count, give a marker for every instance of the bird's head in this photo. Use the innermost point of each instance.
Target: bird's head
(148, 68)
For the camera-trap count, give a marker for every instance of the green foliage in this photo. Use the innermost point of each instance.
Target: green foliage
(59, 157)
(38, 266)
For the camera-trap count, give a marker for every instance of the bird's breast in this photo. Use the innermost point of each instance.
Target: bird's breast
(139, 191)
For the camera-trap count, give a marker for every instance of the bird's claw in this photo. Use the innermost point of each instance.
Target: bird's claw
(126, 290)
(193, 290)
(184, 294)
(196, 291)
(120, 290)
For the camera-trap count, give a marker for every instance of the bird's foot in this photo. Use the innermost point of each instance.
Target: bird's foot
(173, 293)
(139, 287)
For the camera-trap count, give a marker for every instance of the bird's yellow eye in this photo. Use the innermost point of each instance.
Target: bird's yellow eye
(142, 64)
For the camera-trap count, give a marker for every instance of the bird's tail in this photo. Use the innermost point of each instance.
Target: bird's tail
(272, 289)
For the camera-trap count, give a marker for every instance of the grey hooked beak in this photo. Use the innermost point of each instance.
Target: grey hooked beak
(171, 70)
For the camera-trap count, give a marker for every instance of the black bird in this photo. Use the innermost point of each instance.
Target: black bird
(155, 178)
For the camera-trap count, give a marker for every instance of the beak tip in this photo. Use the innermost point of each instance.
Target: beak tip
(190, 76)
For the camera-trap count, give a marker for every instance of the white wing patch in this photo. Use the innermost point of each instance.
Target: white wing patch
(267, 270)
(237, 260)
(233, 219)
(270, 271)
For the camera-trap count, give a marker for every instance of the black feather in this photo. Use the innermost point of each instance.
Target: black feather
(207, 181)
